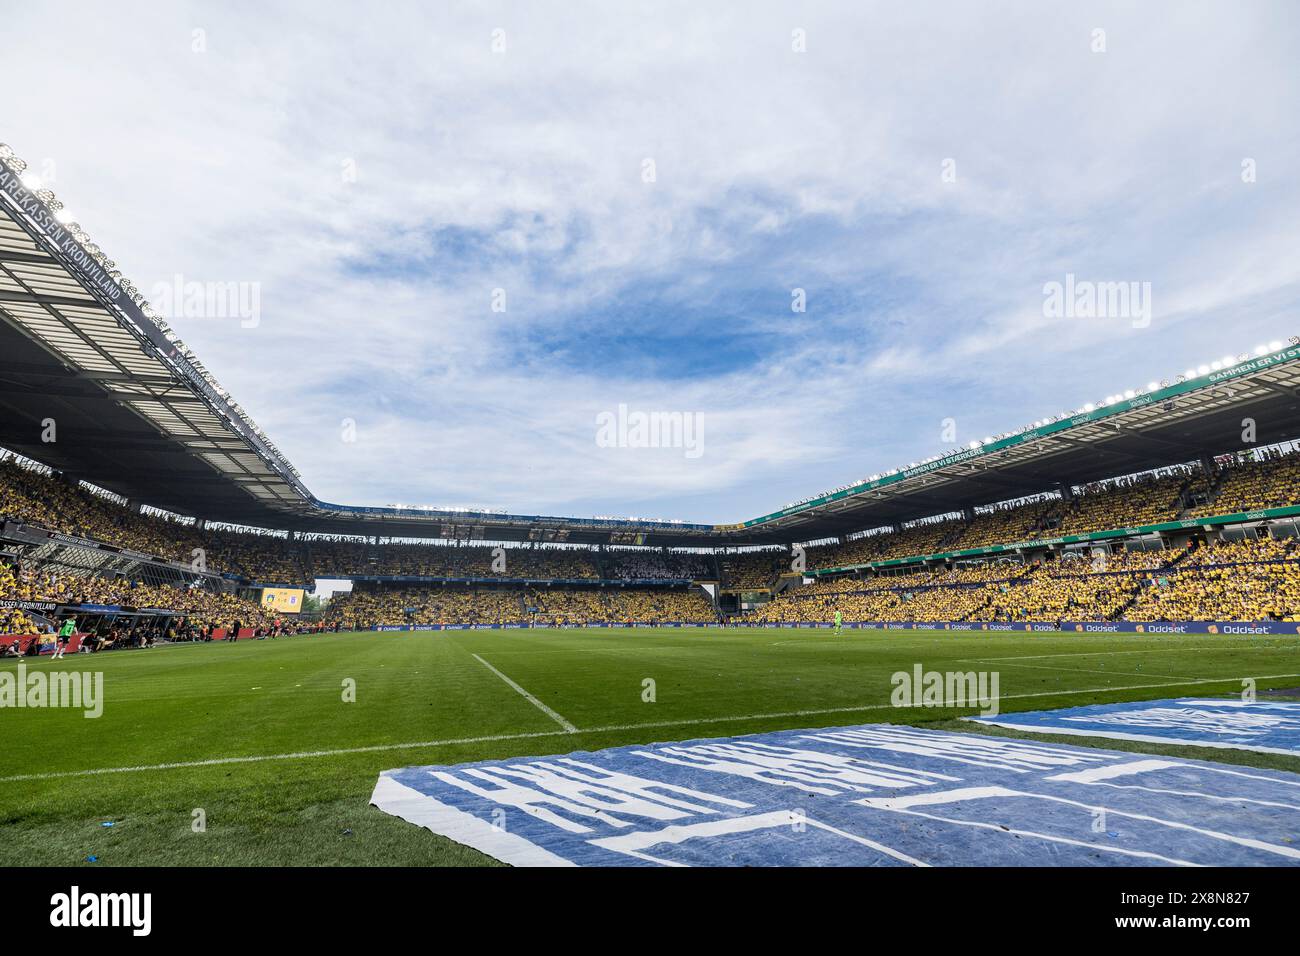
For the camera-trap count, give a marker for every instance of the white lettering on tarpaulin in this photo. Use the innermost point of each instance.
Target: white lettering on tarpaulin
(584, 791)
(1204, 721)
(1267, 727)
(806, 770)
(992, 752)
(869, 795)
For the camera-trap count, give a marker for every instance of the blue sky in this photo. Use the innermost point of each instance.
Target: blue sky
(379, 173)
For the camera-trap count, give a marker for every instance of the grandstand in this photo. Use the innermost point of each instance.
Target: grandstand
(1142, 523)
(1158, 471)
(163, 514)
(1158, 467)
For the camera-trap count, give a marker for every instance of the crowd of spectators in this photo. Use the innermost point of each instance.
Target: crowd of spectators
(789, 608)
(655, 605)
(327, 558)
(48, 584)
(1127, 502)
(1213, 592)
(13, 620)
(33, 496)
(1054, 593)
(1002, 524)
(926, 537)
(1093, 560)
(1101, 506)
(427, 605)
(1269, 481)
(627, 564)
(264, 558)
(1249, 579)
(1243, 482)
(753, 570)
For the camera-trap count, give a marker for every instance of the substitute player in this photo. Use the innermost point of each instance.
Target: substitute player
(65, 636)
(839, 620)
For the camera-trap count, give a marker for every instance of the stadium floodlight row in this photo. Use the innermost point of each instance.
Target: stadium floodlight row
(139, 415)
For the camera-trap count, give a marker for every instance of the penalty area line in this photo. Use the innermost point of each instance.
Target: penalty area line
(609, 728)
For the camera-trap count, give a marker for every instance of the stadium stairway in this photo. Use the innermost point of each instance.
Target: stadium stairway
(1119, 613)
(1192, 499)
(971, 615)
(784, 582)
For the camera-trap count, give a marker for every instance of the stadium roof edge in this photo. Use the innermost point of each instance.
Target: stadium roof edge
(1112, 410)
(55, 239)
(118, 365)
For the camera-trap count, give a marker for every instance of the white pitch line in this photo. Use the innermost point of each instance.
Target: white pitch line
(261, 758)
(609, 728)
(568, 727)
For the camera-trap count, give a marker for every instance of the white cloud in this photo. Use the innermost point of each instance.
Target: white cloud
(773, 168)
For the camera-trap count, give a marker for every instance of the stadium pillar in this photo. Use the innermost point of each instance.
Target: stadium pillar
(134, 505)
(1067, 493)
(1207, 463)
(201, 524)
(968, 514)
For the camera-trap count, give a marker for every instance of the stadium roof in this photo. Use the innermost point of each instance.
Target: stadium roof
(134, 411)
(1191, 418)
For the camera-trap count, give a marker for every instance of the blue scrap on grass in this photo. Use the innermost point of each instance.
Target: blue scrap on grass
(1268, 727)
(870, 795)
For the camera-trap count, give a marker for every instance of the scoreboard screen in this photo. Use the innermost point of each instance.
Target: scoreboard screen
(282, 600)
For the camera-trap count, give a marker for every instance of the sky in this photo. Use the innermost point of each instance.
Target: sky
(470, 236)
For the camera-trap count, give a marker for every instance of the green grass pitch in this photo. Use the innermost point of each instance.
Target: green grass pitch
(258, 737)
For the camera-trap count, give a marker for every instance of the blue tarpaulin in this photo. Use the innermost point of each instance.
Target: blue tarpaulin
(870, 795)
(1269, 727)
